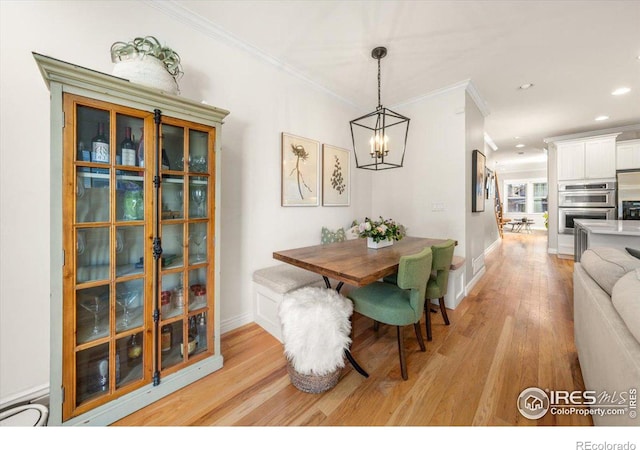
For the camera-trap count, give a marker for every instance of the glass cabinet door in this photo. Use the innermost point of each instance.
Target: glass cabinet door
(129, 319)
(107, 223)
(187, 251)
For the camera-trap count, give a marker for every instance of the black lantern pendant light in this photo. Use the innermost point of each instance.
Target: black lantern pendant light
(380, 137)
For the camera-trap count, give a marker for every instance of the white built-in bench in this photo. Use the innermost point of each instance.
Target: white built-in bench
(270, 286)
(272, 283)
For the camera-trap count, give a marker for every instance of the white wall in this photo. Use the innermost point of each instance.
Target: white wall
(475, 222)
(264, 101)
(433, 172)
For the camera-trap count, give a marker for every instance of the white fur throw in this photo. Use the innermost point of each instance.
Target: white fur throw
(315, 329)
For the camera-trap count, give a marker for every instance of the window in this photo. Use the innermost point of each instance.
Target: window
(516, 197)
(528, 197)
(540, 200)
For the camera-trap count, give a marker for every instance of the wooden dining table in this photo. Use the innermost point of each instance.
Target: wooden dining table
(352, 262)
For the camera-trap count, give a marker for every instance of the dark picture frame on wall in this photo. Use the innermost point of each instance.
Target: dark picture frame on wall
(478, 162)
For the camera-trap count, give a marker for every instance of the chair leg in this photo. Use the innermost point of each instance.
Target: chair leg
(416, 327)
(403, 363)
(443, 310)
(427, 313)
(376, 325)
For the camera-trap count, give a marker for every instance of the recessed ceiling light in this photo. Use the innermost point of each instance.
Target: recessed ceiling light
(621, 91)
(599, 118)
(525, 86)
(520, 145)
(516, 137)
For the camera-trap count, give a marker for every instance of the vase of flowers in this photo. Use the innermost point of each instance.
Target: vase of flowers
(144, 60)
(381, 233)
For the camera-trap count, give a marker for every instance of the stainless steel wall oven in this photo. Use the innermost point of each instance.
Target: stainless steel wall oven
(585, 200)
(568, 215)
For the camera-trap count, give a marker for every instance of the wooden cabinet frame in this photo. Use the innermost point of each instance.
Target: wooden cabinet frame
(71, 85)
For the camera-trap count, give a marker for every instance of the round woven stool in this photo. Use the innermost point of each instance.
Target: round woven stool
(316, 330)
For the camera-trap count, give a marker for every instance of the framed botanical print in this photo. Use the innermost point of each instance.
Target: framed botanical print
(300, 183)
(477, 181)
(336, 176)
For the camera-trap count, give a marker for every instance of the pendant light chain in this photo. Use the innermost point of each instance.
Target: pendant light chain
(379, 102)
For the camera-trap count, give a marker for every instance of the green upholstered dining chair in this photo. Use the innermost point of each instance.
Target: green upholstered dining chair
(438, 281)
(398, 304)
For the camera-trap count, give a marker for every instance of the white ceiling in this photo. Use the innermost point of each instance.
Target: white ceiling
(574, 52)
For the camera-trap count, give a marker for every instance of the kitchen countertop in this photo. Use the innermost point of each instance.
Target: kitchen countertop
(615, 227)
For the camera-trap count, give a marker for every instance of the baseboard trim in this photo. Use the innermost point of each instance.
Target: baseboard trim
(235, 322)
(493, 246)
(474, 280)
(552, 251)
(27, 396)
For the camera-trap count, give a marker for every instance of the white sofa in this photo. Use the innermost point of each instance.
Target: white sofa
(606, 288)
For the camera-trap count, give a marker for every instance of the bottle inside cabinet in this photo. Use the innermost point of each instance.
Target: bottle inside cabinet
(134, 351)
(166, 338)
(128, 149)
(171, 344)
(202, 331)
(191, 335)
(100, 145)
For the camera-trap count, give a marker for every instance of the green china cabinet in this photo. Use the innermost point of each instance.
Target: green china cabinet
(135, 215)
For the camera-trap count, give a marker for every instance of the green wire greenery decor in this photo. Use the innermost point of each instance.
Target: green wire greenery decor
(148, 45)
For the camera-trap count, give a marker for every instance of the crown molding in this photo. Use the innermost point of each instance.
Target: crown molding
(616, 130)
(477, 98)
(467, 85)
(177, 11)
(436, 93)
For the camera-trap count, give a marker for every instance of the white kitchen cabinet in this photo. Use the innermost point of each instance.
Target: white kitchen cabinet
(570, 160)
(600, 158)
(587, 158)
(628, 155)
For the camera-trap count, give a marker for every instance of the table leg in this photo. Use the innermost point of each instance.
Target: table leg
(347, 353)
(328, 284)
(355, 365)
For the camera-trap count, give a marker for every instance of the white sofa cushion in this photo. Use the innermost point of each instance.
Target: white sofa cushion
(284, 278)
(626, 300)
(606, 265)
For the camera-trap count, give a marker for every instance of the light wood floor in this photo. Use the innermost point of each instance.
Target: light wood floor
(514, 330)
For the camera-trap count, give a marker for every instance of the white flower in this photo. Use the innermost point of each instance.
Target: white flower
(382, 228)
